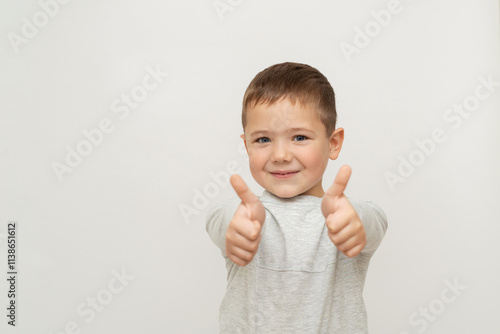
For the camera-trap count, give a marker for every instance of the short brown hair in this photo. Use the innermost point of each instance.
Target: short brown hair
(296, 82)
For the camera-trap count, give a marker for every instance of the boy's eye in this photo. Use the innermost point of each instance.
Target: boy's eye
(300, 138)
(263, 140)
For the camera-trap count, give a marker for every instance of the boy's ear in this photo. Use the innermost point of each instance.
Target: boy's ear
(336, 141)
(244, 140)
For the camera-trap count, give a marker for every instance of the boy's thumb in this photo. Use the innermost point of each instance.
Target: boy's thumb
(242, 190)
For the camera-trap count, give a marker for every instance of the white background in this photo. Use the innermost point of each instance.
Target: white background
(120, 208)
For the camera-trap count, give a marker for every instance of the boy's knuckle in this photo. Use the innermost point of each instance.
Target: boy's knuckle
(333, 227)
(254, 247)
(253, 234)
(248, 257)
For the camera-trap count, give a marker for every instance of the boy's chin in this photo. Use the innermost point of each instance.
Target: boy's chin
(283, 193)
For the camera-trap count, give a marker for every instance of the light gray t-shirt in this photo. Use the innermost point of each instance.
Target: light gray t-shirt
(297, 282)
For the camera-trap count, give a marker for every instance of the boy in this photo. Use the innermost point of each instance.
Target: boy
(296, 257)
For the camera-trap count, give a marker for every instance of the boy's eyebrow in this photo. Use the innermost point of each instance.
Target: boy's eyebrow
(299, 129)
(258, 132)
(264, 132)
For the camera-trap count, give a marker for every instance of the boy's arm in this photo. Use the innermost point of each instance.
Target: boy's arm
(218, 219)
(374, 222)
(354, 226)
(236, 226)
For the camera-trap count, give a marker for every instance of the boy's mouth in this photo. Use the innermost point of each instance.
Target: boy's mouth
(284, 173)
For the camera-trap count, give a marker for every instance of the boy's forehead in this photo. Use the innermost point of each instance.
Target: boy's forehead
(284, 100)
(282, 114)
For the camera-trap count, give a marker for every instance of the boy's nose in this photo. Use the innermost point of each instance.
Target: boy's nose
(281, 153)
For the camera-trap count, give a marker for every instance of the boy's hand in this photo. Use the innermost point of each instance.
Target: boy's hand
(243, 233)
(345, 228)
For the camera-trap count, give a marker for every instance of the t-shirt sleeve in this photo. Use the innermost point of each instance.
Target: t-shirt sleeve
(374, 221)
(218, 219)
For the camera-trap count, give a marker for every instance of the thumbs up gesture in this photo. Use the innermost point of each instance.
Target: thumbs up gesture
(243, 233)
(345, 228)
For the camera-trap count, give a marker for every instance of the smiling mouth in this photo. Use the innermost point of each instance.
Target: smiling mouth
(284, 174)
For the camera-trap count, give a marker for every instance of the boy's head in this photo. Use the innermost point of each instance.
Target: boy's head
(296, 82)
(289, 122)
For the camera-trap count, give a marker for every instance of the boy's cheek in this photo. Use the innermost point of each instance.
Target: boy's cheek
(250, 149)
(255, 155)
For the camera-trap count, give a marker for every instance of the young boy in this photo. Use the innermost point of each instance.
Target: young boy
(296, 257)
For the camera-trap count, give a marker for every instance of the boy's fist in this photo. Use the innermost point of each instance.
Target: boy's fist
(345, 228)
(243, 233)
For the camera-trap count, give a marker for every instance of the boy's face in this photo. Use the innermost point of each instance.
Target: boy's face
(288, 148)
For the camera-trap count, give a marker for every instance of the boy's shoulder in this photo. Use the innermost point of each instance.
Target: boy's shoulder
(223, 204)
(299, 203)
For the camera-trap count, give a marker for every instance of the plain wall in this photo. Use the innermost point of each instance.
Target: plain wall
(105, 247)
